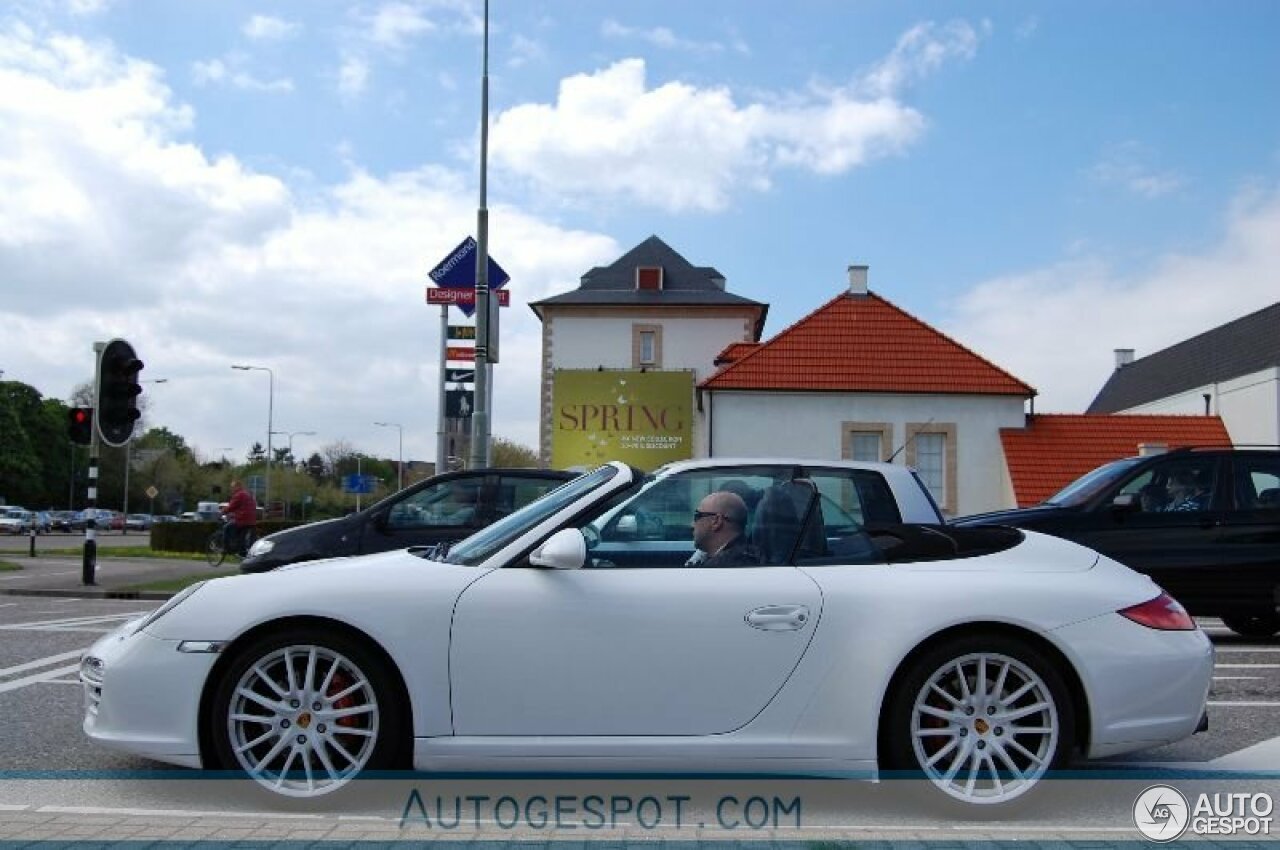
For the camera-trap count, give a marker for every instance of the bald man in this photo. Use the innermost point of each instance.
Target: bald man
(718, 526)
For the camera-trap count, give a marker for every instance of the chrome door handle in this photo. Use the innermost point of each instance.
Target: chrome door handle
(778, 618)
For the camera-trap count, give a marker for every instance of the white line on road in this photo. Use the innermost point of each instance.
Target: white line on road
(69, 623)
(40, 662)
(41, 575)
(1244, 704)
(10, 807)
(39, 677)
(1236, 678)
(1238, 666)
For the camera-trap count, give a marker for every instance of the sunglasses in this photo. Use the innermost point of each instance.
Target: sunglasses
(697, 515)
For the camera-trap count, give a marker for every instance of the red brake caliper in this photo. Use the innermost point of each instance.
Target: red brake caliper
(339, 683)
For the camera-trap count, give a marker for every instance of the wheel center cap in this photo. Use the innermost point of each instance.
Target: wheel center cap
(304, 719)
(979, 724)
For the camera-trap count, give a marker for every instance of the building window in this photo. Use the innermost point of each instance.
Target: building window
(649, 277)
(646, 346)
(866, 441)
(931, 451)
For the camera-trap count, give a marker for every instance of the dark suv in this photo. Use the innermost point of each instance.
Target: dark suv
(1203, 523)
(443, 509)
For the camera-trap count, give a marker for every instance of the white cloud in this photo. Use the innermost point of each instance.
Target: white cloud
(679, 147)
(920, 51)
(269, 28)
(524, 50)
(1126, 166)
(1056, 327)
(353, 76)
(230, 71)
(661, 37)
(112, 224)
(394, 25)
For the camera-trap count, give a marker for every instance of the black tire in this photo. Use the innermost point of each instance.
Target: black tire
(1253, 625)
(1011, 766)
(214, 551)
(300, 750)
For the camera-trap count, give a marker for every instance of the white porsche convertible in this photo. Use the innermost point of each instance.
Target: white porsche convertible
(855, 634)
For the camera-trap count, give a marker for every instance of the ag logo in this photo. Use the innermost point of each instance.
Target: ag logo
(1161, 813)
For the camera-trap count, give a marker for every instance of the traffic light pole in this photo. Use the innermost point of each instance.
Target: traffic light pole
(90, 563)
(481, 412)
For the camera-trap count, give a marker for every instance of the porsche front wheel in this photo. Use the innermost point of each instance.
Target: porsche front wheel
(982, 719)
(304, 714)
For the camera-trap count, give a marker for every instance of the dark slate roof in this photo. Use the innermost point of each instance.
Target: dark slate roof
(1246, 345)
(684, 284)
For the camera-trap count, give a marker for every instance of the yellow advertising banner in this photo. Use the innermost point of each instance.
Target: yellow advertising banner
(641, 418)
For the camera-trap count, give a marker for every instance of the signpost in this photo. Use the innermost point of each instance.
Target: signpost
(459, 403)
(454, 282)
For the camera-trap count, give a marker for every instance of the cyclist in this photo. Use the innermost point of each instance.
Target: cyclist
(242, 516)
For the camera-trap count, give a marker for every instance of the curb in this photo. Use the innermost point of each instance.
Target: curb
(90, 593)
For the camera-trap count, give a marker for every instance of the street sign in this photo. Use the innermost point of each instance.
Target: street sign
(458, 271)
(152, 492)
(460, 376)
(458, 404)
(355, 483)
(462, 331)
(460, 352)
(464, 298)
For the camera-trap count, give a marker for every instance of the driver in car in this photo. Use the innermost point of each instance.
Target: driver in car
(718, 526)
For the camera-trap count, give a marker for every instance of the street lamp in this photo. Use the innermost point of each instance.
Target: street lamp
(400, 466)
(291, 434)
(271, 401)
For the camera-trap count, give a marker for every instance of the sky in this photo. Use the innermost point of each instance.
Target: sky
(268, 183)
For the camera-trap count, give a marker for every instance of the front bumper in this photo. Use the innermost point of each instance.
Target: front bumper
(142, 696)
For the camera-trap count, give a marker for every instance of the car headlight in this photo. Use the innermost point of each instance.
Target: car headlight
(261, 547)
(174, 601)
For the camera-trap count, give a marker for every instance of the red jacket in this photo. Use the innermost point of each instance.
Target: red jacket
(242, 509)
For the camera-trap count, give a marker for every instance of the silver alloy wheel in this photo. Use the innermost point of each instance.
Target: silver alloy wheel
(303, 720)
(984, 728)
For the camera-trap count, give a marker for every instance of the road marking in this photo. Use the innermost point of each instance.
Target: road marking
(40, 575)
(7, 604)
(39, 677)
(1236, 678)
(41, 662)
(71, 624)
(1245, 704)
(1238, 666)
(10, 807)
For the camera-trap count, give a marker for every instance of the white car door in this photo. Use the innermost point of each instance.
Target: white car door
(671, 651)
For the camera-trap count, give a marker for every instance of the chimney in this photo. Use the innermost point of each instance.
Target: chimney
(1124, 356)
(1152, 449)
(858, 280)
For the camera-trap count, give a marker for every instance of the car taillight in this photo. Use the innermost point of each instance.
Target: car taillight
(1164, 612)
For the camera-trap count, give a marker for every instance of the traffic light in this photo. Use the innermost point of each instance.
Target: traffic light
(80, 425)
(118, 391)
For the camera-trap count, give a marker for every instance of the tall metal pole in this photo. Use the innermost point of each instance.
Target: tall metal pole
(271, 402)
(400, 466)
(89, 564)
(442, 440)
(480, 415)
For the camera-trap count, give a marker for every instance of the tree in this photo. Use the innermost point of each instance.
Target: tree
(315, 466)
(510, 453)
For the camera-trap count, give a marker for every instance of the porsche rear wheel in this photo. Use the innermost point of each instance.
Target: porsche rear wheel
(304, 714)
(981, 719)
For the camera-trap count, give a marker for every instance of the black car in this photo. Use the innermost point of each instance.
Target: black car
(442, 509)
(1203, 523)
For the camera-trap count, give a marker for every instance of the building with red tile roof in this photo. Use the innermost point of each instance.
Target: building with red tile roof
(1055, 449)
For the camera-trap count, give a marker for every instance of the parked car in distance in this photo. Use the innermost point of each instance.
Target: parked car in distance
(160, 519)
(43, 522)
(102, 519)
(441, 509)
(138, 522)
(15, 520)
(981, 659)
(1204, 523)
(62, 520)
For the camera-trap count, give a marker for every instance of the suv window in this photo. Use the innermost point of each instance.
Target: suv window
(1257, 483)
(449, 503)
(516, 491)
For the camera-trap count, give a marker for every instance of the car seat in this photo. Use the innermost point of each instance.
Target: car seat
(785, 511)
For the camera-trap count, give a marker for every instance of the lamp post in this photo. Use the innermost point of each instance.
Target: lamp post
(400, 464)
(128, 462)
(271, 401)
(293, 460)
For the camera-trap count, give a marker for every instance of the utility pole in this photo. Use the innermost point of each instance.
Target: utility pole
(480, 416)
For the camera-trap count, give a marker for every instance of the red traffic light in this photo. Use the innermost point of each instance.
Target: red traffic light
(80, 425)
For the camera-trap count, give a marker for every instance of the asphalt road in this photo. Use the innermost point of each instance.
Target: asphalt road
(46, 764)
(20, 544)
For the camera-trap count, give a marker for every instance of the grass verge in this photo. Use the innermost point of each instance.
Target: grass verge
(9, 566)
(128, 552)
(173, 585)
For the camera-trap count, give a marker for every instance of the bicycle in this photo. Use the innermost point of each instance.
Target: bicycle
(215, 550)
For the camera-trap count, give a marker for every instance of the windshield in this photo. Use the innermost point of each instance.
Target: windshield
(479, 546)
(1090, 484)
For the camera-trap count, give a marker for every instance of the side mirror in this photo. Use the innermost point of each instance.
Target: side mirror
(564, 550)
(1125, 503)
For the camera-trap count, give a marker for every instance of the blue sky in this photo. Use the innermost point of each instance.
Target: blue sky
(268, 182)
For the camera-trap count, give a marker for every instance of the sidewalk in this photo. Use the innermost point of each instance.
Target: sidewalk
(61, 575)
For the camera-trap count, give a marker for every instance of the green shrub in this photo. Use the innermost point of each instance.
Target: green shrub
(192, 536)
